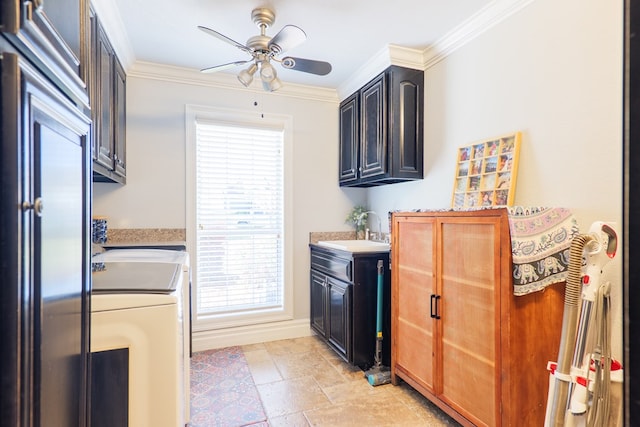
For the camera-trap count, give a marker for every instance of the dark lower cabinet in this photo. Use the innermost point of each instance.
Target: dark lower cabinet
(343, 303)
(330, 302)
(319, 302)
(339, 331)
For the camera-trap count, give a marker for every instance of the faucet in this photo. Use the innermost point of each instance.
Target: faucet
(379, 235)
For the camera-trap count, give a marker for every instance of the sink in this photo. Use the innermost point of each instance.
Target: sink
(356, 245)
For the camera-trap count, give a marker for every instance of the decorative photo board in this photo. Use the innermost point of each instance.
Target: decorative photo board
(486, 173)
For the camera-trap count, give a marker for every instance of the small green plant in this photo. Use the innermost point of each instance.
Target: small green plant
(358, 218)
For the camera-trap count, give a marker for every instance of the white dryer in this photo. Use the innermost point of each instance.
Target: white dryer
(140, 317)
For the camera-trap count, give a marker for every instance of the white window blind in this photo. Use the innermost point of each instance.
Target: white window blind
(239, 216)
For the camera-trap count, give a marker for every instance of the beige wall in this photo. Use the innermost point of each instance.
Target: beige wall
(154, 196)
(554, 72)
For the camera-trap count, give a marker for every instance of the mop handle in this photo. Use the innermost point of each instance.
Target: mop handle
(379, 298)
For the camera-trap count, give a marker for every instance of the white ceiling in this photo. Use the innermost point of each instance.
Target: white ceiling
(346, 33)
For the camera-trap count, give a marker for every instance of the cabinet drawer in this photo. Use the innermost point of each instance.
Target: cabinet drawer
(340, 268)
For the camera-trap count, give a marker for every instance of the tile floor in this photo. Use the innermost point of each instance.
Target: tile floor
(302, 382)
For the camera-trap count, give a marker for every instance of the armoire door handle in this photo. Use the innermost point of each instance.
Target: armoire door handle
(434, 306)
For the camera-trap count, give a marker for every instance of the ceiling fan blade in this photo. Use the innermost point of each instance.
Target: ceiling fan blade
(221, 67)
(225, 39)
(307, 65)
(287, 38)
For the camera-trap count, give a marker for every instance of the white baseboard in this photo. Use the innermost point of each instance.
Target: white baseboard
(252, 334)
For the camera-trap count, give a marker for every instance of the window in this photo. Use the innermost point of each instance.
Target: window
(237, 232)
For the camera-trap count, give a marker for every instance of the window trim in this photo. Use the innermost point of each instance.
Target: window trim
(193, 113)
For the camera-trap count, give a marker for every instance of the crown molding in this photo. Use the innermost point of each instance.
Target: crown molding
(109, 17)
(492, 14)
(423, 59)
(188, 76)
(389, 55)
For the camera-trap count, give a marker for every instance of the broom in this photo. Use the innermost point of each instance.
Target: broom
(379, 374)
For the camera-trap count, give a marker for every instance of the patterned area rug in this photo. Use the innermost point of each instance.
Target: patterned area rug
(222, 390)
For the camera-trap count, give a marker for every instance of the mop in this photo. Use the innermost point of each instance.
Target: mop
(379, 374)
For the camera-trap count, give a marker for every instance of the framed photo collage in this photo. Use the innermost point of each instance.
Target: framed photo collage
(486, 173)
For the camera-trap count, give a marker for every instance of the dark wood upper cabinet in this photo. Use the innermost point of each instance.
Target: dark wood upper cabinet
(53, 35)
(381, 130)
(108, 105)
(119, 118)
(373, 119)
(349, 139)
(101, 101)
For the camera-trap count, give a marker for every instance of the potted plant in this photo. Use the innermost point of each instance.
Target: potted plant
(358, 219)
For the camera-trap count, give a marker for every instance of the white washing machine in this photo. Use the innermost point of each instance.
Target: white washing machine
(140, 304)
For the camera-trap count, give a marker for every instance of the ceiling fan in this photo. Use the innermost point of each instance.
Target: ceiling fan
(263, 49)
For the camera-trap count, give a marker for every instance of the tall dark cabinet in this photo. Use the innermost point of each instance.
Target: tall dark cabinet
(631, 206)
(45, 182)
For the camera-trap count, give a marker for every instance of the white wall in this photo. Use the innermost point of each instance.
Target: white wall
(154, 196)
(554, 72)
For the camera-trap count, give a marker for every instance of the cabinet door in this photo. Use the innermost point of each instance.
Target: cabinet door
(319, 302)
(60, 286)
(119, 118)
(349, 140)
(45, 251)
(104, 91)
(52, 32)
(413, 285)
(469, 326)
(373, 133)
(406, 123)
(339, 326)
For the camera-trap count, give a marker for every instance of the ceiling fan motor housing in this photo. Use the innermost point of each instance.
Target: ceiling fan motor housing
(259, 43)
(263, 17)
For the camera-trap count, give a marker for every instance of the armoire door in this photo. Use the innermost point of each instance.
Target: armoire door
(469, 316)
(413, 307)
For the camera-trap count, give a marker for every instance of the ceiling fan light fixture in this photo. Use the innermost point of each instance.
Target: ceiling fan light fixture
(267, 72)
(246, 76)
(272, 86)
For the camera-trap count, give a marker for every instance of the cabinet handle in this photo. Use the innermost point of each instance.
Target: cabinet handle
(434, 306)
(37, 206)
(437, 307)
